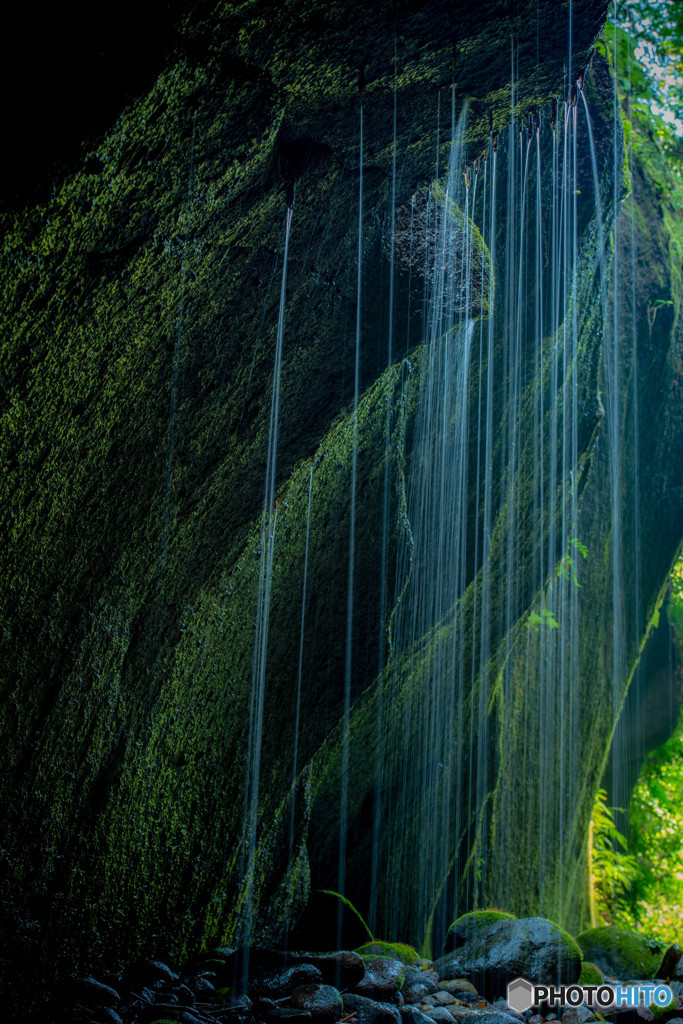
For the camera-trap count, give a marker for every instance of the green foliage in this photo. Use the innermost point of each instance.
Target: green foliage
(546, 618)
(658, 28)
(676, 601)
(612, 867)
(567, 564)
(640, 92)
(347, 903)
(654, 902)
(642, 889)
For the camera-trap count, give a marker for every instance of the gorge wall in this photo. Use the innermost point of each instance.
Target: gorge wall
(140, 311)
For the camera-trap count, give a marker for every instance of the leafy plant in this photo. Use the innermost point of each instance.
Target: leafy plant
(349, 905)
(546, 618)
(567, 564)
(654, 902)
(612, 868)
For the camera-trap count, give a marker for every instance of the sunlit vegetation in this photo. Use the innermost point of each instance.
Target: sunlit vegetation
(638, 884)
(656, 27)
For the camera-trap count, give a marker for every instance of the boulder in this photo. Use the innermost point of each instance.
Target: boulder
(466, 926)
(532, 948)
(620, 953)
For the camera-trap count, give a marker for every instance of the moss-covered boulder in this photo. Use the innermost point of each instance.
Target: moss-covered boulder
(466, 926)
(532, 948)
(621, 954)
(396, 950)
(590, 974)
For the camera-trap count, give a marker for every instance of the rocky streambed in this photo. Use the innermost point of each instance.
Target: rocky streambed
(379, 983)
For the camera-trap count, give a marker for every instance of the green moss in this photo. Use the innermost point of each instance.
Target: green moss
(620, 953)
(465, 927)
(394, 950)
(133, 537)
(590, 974)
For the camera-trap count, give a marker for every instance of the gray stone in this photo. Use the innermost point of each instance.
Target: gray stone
(369, 1011)
(458, 985)
(288, 1015)
(439, 1014)
(415, 993)
(504, 1007)
(281, 983)
(94, 993)
(532, 948)
(412, 1015)
(322, 1001)
(440, 998)
(468, 1015)
(418, 976)
(382, 979)
(343, 968)
(577, 1015)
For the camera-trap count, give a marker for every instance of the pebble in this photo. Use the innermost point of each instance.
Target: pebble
(504, 1007)
(415, 993)
(421, 976)
(411, 1015)
(202, 985)
(577, 1015)
(458, 985)
(437, 1013)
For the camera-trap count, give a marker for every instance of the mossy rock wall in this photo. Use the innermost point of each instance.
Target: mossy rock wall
(614, 612)
(139, 315)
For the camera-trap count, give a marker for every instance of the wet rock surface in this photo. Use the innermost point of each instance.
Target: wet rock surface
(383, 977)
(532, 948)
(259, 986)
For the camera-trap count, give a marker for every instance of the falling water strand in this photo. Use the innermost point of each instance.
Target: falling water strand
(614, 435)
(637, 567)
(478, 739)
(258, 678)
(299, 674)
(386, 516)
(348, 667)
(426, 626)
(612, 410)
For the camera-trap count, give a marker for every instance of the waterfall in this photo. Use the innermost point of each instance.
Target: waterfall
(480, 553)
(258, 685)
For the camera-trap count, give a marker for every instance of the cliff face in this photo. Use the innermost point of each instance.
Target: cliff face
(140, 308)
